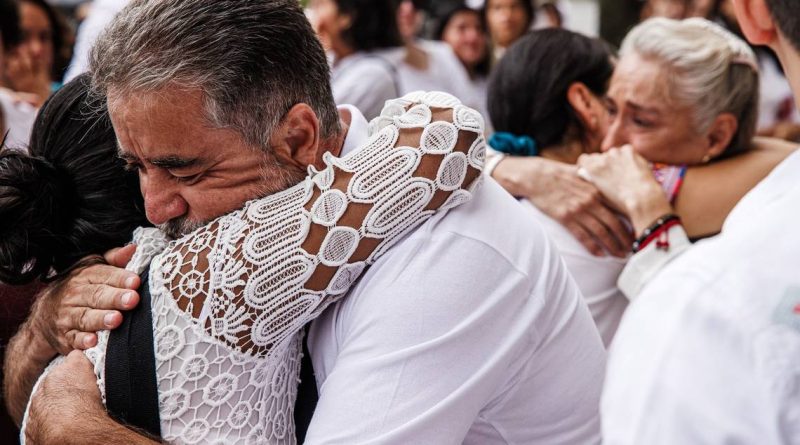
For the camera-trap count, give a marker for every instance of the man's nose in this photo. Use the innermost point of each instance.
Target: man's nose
(162, 202)
(615, 137)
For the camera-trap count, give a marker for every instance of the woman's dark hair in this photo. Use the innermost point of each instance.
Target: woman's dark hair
(9, 24)
(528, 87)
(373, 24)
(70, 196)
(58, 29)
(482, 68)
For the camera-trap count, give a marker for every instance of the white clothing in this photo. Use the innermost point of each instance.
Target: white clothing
(648, 262)
(366, 80)
(596, 276)
(445, 73)
(230, 299)
(17, 117)
(710, 351)
(470, 330)
(101, 14)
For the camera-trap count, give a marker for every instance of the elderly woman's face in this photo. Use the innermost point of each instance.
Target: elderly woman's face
(643, 113)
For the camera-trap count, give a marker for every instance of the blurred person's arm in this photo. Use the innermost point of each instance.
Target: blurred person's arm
(556, 189)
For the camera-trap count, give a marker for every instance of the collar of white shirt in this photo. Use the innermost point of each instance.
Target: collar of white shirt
(357, 131)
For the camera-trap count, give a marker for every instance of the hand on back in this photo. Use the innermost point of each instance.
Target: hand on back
(69, 313)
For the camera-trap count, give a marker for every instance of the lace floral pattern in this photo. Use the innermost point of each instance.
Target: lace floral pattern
(230, 299)
(248, 282)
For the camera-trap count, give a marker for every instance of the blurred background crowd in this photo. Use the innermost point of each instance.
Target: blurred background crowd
(51, 43)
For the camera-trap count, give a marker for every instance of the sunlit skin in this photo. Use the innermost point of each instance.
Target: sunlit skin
(643, 113)
(189, 172)
(37, 35)
(507, 20)
(465, 34)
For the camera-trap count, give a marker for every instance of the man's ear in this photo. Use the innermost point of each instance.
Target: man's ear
(296, 140)
(721, 134)
(755, 20)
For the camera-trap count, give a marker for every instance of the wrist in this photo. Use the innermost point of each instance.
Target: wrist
(645, 211)
(39, 349)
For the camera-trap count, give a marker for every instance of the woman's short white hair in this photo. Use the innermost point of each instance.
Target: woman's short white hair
(709, 68)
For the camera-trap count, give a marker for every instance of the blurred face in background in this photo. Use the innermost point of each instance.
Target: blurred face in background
(329, 24)
(465, 34)
(679, 9)
(37, 36)
(507, 20)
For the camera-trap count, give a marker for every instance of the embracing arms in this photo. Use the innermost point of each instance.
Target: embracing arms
(66, 317)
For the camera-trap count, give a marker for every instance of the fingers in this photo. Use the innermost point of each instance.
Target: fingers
(612, 234)
(121, 256)
(93, 320)
(80, 340)
(108, 275)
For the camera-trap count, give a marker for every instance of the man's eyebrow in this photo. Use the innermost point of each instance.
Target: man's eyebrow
(125, 156)
(173, 162)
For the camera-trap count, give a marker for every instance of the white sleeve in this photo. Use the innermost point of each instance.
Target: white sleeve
(422, 350)
(643, 266)
(367, 85)
(685, 368)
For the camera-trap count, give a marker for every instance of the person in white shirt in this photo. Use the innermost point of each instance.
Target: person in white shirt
(363, 40)
(508, 342)
(415, 353)
(710, 351)
(464, 30)
(565, 116)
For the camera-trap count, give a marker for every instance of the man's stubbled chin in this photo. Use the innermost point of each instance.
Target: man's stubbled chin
(178, 227)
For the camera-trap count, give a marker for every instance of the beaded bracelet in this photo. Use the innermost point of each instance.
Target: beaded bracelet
(661, 225)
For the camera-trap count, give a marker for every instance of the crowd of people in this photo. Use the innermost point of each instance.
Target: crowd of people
(397, 221)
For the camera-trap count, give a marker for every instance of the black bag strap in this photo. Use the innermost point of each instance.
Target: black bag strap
(307, 396)
(131, 383)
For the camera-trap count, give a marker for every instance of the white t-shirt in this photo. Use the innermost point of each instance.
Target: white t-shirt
(709, 353)
(17, 118)
(470, 330)
(596, 276)
(445, 73)
(366, 80)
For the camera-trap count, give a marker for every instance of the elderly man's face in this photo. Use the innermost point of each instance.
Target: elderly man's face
(189, 172)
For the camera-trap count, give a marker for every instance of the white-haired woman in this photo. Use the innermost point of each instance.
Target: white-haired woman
(683, 95)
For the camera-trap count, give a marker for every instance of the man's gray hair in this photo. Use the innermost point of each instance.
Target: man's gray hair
(710, 69)
(253, 60)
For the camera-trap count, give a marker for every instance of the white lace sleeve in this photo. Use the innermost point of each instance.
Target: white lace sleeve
(253, 278)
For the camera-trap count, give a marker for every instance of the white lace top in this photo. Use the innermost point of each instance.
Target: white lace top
(230, 299)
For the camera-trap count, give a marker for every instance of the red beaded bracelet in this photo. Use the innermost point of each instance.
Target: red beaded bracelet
(658, 230)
